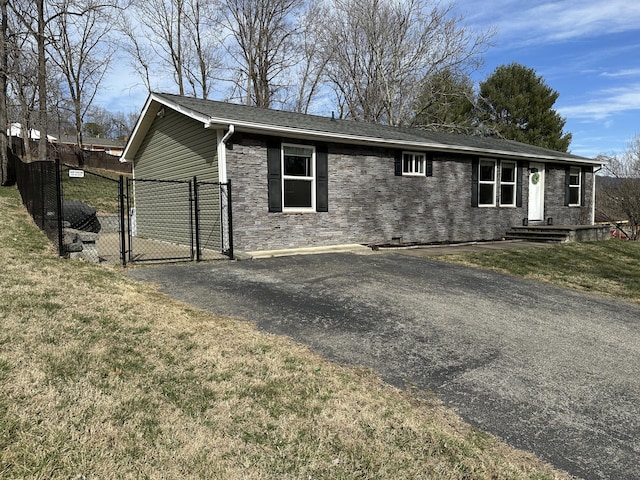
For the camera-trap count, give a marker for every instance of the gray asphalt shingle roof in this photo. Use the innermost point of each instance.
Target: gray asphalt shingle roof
(349, 131)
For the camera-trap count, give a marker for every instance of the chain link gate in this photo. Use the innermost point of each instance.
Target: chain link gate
(173, 220)
(213, 219)
(101, 216)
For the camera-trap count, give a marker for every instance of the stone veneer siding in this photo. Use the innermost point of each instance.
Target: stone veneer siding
(369, 204)
(554, 197)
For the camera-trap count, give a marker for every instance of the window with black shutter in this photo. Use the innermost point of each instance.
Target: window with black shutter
(298, 177)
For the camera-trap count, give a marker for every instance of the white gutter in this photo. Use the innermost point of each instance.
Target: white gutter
(296, 132)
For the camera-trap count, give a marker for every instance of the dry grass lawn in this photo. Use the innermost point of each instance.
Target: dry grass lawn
(102, 377)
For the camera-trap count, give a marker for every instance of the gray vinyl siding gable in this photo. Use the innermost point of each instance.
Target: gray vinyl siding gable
(177, 148)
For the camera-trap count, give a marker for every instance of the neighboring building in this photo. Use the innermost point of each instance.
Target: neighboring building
(93, 144)
(302, 180)
(15, 130)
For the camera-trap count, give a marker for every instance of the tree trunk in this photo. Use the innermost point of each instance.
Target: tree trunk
(42, 84)
(4, 120)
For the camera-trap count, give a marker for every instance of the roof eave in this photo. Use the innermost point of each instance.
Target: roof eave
(251, 127)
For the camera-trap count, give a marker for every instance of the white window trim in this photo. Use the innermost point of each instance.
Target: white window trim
(311, 179)
(578, 186)
(514, 183)
(486, 182)
(414, 162)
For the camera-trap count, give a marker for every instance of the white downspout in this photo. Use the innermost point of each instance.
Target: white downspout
(593, 195)
(222, 152)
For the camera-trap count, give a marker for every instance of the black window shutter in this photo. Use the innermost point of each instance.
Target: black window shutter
(519, 173)
(475, 165)
(274, 176)
(583, 196)
(429, 165)
(398, 163)
(322, 178)
(567, 189)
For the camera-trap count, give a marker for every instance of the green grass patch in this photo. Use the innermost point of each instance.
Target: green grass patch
(98, 188)
(610, 268)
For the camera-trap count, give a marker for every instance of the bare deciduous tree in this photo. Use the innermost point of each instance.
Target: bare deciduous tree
(176, 37)
(263, 46)
(35, 25)
(139, 49)
(618, 195)
(22, 76)
(308, 74)
(203, 47)
(80, 49)
(163, 22)
(113, 125)
(446, 104)
(41, 23)
(383, 52)
(4, 117)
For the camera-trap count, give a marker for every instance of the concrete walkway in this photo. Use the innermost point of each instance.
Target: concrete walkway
(415, 251)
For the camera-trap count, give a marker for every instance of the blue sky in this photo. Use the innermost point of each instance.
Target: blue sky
(586, 50)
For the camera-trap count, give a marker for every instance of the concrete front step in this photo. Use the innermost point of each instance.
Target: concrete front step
(558, 233)
(537, 237)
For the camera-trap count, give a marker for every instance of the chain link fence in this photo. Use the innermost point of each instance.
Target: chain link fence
(103, 216)
(39, 186)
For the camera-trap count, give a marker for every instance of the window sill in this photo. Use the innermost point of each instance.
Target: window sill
(298, 211)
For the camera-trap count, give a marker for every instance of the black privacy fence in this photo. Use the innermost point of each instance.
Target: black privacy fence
(106, 216)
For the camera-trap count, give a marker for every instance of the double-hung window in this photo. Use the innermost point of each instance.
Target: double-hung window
(487, 183)
(508, 184)
(298, 178)
(414, 163)
(575, 186)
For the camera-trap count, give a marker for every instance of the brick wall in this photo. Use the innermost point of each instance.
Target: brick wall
(369, 204)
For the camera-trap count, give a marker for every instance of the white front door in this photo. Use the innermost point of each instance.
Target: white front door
(536, 192)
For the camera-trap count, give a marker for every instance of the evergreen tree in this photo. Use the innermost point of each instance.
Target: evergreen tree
(517, 104)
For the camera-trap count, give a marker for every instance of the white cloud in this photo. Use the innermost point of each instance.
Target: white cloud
(607, 103)
(552, 21)
(630, 72)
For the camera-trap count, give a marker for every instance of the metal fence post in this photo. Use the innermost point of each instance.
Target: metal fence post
(196, 216)
(123, 245)
(59, 213)
(191, 232)
(130, 184)
(230, 217)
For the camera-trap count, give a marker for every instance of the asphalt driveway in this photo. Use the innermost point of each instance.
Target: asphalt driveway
(548, 370)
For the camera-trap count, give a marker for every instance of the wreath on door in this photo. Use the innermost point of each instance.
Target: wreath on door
(535, 178)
